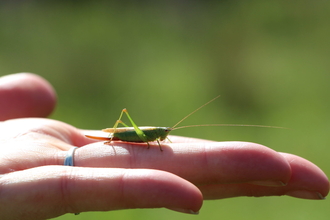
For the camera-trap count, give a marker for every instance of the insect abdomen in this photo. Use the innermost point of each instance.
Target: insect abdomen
(131, 136)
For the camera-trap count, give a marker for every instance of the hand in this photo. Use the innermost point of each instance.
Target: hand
(34, 184)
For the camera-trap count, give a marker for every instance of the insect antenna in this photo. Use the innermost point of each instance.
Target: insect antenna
(227, 125)
(194, 112)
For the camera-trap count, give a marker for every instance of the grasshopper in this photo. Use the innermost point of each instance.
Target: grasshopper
(148, 134)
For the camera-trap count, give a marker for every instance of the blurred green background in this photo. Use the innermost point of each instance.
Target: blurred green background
(269, 61)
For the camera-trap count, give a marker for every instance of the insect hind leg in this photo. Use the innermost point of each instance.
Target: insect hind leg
(138, 131)
(119, 121)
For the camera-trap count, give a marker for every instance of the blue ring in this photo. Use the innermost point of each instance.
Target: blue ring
(68, 161)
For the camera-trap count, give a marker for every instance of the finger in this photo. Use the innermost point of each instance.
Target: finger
(59, 190)
(307, 181)
(25, 95)
(200, 163)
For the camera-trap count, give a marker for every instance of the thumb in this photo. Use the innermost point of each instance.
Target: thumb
(25, 95)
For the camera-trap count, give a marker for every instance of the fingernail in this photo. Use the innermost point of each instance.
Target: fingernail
(186, 211)
(268, 183)
(305, 194)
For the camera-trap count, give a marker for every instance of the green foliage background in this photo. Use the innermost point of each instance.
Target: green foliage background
(269, 61)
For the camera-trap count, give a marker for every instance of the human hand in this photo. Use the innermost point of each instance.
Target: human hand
(35, 185)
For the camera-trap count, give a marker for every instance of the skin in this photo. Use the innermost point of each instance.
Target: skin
(34, 184)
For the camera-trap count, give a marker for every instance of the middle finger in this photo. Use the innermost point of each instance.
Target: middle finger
(200, 162)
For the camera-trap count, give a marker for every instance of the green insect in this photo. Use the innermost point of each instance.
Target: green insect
(148, 134)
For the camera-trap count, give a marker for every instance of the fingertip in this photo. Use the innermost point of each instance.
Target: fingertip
(25, 95)
(172, 191)
(307, 176)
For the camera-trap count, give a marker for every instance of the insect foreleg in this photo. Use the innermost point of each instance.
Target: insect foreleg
(160, 146)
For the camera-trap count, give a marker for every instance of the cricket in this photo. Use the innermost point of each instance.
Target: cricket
(148, 134)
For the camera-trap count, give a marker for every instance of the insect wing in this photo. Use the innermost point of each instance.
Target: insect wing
(124, 129)
(98, 135)
(117, 130)
(98, 138)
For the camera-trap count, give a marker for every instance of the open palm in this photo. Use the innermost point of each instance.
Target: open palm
(34, 184)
